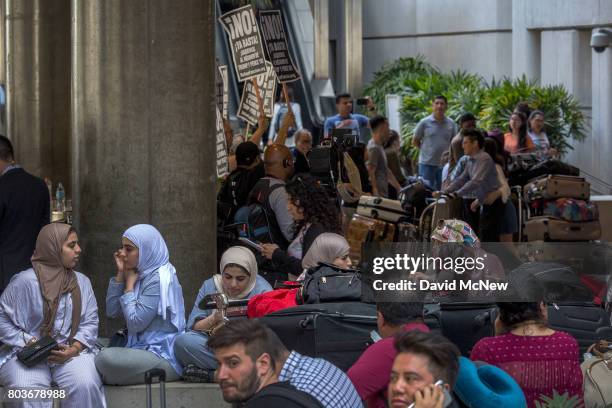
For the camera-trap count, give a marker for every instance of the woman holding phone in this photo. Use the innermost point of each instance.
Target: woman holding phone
(147, 294)
(238, 279)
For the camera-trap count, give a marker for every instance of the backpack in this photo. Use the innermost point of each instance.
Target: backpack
(235, 192)
(299, 398)
(257, 218)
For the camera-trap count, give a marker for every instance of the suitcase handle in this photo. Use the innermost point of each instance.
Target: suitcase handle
(155, 373)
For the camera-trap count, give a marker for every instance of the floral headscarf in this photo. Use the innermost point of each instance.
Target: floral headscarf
(455, 231)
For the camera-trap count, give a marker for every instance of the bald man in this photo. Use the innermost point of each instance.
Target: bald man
(270, 192)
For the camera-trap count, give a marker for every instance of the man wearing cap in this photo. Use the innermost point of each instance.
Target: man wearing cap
(236, 188)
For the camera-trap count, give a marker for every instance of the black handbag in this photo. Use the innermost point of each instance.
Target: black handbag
(37, 352)
(328, 283)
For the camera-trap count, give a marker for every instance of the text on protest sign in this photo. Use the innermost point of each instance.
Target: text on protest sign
(273, 33)
(222, 89)
(249, 106)
(245, 42)
(222, 164)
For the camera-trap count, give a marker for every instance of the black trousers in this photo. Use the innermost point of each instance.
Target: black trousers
(490, 221)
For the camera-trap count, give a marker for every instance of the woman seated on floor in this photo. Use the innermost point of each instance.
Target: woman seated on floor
(313, 213)
(52, 299)
(539, 358)
(238, 280)
(147, 294)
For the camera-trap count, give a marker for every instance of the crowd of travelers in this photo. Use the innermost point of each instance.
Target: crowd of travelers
(43, 296)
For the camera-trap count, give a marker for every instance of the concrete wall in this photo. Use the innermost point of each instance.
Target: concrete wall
(546, 40)
(452, 34)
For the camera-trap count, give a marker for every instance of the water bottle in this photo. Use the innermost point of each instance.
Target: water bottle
(60, 197)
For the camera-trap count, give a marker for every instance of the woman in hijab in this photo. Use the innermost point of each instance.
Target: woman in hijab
(467, 245)
(328, 248)
(147, 294)
(52, 299)
(238, 279)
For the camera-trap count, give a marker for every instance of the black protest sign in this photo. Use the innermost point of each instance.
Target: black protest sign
(249, 105)
(245, 42)
(273, 33)
(221, 147)
(222, 89)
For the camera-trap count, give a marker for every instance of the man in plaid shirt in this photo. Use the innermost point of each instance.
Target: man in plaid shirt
(319, 378)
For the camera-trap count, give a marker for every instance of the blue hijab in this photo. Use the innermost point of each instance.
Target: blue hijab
(153, 256)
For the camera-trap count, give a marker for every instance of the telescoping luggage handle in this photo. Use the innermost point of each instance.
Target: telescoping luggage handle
(149, 377)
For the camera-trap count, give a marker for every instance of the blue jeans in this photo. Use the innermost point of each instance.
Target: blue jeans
(190, 348)
(431, 173)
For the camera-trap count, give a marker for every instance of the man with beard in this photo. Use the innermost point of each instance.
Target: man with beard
(247, 374)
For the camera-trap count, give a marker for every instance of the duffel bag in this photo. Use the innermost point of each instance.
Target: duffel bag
(327, 283)
(555, 186)
(571, 209)
(337, 332)
(552, 166)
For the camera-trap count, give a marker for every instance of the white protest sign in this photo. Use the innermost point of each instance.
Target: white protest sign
(245, 42)
(249, 106)
(222, 164)
(222, 89)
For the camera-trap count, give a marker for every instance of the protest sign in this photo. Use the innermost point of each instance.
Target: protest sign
(222, 90)
(275, 40)
(222, 164)
(249, 105)
(245, 42)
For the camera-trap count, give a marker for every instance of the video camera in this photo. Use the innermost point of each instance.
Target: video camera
(344, 139)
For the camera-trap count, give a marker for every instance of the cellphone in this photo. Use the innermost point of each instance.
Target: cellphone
(447, 397)
(250, 243)
(362, 101)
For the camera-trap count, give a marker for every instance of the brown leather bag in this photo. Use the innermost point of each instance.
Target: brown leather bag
(362, 230)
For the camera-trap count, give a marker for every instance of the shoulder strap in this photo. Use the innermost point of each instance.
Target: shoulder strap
(294, 395)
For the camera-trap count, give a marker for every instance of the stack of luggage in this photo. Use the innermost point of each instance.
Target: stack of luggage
(559, 209)
(379, 220)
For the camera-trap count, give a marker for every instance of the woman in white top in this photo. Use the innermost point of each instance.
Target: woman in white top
(538, 135)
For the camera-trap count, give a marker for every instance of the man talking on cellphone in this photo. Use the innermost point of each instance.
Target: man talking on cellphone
(422, 360)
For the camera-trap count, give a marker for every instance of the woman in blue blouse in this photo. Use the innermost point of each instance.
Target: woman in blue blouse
(147, 294)
(238, 280)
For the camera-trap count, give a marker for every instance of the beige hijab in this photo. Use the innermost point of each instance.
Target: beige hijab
(325, 248)
(243, 257)
(54, 279)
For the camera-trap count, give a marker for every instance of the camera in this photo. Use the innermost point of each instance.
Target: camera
(601, 40)
(344, 138)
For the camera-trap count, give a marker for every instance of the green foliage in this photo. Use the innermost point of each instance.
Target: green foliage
(418, 82)
(558, 401)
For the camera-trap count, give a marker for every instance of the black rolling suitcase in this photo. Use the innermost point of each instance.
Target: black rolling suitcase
(463, 323)
(337, 332)
(149, 377)
(586, 321)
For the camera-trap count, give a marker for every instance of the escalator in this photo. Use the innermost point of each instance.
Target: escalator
(308, 92)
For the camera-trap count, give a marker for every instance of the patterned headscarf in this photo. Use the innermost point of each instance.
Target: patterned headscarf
(455, 231)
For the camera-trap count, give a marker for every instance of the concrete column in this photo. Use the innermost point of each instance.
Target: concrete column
(353, 46)
(602, 119)
(525, 42)
(144, 133)
(321, 39)
(38, 85)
